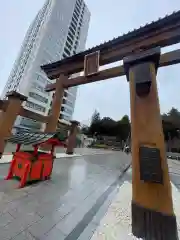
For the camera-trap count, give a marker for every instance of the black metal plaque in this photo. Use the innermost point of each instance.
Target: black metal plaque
(150, 165)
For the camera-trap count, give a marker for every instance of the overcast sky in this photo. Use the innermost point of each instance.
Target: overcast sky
(109, 19)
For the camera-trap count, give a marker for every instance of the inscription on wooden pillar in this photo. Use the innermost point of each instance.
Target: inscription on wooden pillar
(152, 208)
(91, 64)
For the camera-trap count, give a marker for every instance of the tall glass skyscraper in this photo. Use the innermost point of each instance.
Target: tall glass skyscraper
(59, 30)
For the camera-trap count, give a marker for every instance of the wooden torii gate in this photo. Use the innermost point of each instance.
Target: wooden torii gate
(11, 108)
(152, 207)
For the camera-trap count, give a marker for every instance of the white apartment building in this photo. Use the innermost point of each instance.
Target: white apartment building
(59, 30)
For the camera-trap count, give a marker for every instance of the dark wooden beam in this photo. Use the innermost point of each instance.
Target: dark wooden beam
(102, 75)
(25, 112)
(166, 59)
(32, 115)
(170, 58)
(162, 33)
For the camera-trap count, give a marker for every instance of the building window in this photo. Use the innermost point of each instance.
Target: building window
(67, 102)
(62, 116)
(35, 106)
(78, 4)
(74, 16)
(69, 40)
(66, 110)
(38, 97)
(65, 94)
(73, 26)
(26, 122)
(76, 12)
(64, 55)
(72, 30)
(71, 35)
(74, 22)
(66, 118)
(67, 51)
(41, 79)
(38, 87)
(68, 45)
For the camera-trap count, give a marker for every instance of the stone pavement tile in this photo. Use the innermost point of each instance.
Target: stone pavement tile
(5, 219)
(65, 209)
(67, 224)
(7, 186)
(54, 234)
(6, 207)
(49, 207)
(88, 232)
(40, 228)
(116, 224)
(175, 179)
(16, 226)
(25, 235)
(73, 199)
(14, 194)
(103, 209)
(24, 209)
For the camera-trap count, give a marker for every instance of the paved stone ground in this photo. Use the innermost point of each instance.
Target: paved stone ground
(82, 151)
(174, 170)
(69, 206)
(116, 224)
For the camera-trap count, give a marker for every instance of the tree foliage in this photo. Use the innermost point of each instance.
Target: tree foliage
(106, 126)
(109, 127)
(171, 124)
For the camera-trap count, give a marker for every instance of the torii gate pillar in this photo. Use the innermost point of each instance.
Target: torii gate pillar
(51, 125)
(72, 137)
(152, 207)
(8, 117)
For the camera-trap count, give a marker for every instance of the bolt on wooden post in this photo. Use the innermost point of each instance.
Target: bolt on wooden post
(8, 117)
(152, 207)
(72, 137)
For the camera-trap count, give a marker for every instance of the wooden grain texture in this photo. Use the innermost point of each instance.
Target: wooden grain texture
(166, 59)
(32, 115)
(72, 138)
(115, 50)
(8, 118)
(91, 63)
(52, 123)
(147, 130)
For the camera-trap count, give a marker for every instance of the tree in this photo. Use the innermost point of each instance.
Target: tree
(85, 130)
(123, 128)
(171, 124)
(95, 117)
(95, 123)
(108, 127)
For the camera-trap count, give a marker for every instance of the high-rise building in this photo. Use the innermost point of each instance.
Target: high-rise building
(59, 30)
